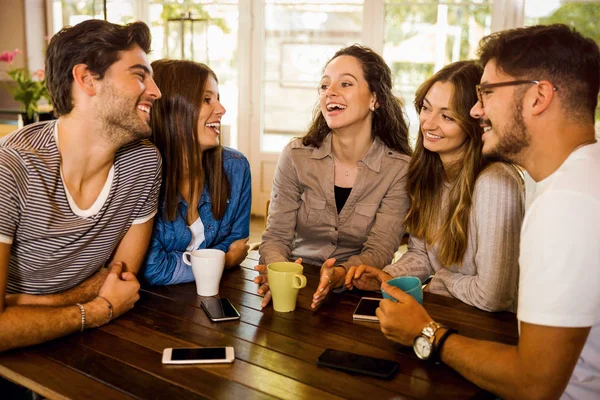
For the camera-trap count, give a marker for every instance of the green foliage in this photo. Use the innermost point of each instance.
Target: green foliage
(585, 17)
(27, 90)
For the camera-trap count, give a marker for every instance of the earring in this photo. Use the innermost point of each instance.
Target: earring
(372, 109)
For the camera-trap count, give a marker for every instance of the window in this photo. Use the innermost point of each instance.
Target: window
(299, 38)
(421, 37)
(71, 12)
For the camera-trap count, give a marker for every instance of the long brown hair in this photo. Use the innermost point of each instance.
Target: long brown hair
(174, 122)
(389, 124)
(426, 174)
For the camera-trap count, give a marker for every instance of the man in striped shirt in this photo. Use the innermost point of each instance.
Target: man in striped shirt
(79, 194)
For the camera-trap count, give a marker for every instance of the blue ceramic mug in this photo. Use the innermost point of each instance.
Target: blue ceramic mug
(408, 284)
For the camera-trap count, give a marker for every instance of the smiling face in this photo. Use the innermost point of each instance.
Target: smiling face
(344, 95)
(209, 120)
(505, 135)
(441, 132)
(125, 96)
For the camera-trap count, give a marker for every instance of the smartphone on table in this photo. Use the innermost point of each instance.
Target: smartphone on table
(357, 363)
(365, 311)
(219, 309)
(198, 355)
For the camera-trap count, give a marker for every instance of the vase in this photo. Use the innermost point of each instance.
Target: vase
(25, 120)
(45, 116)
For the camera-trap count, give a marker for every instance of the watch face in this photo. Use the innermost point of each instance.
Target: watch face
(422, 347)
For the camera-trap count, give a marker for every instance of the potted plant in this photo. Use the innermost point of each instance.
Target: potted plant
(28, 88)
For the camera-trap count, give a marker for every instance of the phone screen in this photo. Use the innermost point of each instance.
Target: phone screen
(357, 363)
(220, 309)
(205, 353)
(367, 307)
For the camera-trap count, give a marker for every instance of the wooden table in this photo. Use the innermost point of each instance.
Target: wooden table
(275, 352)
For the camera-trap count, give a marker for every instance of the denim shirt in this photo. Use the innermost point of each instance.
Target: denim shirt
(164, 263)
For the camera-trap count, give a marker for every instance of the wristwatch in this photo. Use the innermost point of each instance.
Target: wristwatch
(424, 344)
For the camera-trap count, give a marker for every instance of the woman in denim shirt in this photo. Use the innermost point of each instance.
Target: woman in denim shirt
(196, 170)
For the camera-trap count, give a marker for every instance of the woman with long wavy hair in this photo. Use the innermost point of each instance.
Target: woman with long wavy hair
(466, 214)
(205, 194)
(339, 193)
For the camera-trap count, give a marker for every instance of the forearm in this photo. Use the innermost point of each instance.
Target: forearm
(273, 253)
(27, 325)
(82, 293)
(492, 366)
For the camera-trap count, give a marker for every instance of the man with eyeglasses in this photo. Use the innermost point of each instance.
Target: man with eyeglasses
(537, 100)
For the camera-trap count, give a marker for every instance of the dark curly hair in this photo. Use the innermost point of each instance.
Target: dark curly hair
(95, 43)
(389, 123)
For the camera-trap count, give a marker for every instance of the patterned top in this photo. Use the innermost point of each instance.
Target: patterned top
(55, 245)
(488, 276)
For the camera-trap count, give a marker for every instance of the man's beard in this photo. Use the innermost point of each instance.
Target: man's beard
(120, 118)
(513, 139)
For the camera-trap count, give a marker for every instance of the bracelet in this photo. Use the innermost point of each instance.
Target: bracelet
(438, 349)
(110, 308)
(82, 316)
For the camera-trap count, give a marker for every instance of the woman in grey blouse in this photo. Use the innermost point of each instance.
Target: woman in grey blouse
(339, 193)
(466, 214)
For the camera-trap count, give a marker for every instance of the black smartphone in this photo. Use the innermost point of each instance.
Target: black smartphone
(220, 309)
(365, 311)
(357, 363)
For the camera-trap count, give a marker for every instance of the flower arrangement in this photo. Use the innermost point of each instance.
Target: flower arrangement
(30, 88)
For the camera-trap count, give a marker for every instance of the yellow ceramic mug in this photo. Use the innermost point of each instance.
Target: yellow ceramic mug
(285, 278)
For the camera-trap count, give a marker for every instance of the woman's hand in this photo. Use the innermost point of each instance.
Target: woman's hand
(331, 277)
(263, 281)
(237, 253)
(365, 277)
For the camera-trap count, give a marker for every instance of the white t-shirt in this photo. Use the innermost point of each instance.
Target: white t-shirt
(560, 260)
(197, 229)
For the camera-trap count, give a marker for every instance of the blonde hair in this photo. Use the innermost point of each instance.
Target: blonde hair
(427, 176)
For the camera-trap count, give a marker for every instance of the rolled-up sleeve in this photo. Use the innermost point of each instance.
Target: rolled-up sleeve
(415, 262)
(276, 244)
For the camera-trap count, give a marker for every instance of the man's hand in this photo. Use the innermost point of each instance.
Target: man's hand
(121, 289)
(401, 321)
(331, 278)
(237, 253)
(365, 277)
(263, 281)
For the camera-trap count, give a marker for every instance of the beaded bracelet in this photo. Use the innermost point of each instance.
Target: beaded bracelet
(110, 308)
(82, 316)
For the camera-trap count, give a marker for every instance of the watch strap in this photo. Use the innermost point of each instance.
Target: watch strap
(437, 349)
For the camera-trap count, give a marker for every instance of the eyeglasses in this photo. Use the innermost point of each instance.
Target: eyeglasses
(482, 88)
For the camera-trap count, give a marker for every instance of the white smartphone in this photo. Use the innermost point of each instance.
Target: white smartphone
(198, 355)
(365, 311)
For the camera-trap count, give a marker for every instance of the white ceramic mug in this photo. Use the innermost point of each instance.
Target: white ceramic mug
(207, 267)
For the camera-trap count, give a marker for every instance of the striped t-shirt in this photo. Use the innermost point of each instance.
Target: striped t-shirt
(55, 245)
